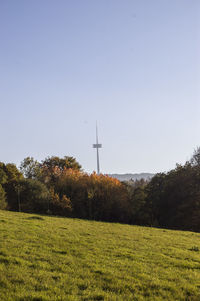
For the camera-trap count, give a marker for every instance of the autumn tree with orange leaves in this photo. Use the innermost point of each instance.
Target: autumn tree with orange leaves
(93, 196)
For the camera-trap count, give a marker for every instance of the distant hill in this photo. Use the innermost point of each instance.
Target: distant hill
(129, 176)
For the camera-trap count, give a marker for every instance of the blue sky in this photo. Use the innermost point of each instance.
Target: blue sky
(133, 66)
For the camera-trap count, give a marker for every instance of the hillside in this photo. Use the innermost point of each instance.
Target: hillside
(50, 258)
(133, 176)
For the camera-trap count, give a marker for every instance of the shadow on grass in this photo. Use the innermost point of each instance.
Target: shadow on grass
(36, 217)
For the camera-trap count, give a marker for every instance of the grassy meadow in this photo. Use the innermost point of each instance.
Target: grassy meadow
(51, 258)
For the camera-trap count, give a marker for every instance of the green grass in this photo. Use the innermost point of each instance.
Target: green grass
(49, 258)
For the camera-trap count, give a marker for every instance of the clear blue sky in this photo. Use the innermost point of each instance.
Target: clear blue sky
(133, 65)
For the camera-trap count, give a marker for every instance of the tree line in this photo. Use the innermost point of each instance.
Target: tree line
(59, 186)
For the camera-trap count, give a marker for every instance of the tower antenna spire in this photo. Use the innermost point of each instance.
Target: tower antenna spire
(97, 145)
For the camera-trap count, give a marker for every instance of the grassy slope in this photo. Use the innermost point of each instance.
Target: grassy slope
(49, 258)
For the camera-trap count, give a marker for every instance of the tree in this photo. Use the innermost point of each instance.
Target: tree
(174, 198)
(3, 203)
(61, 163)
(195, 160)
(34, 196)
(3, 176)
(154, 198)
(11, 176)
(12, 172)
(30, 168)
(94, 196)
(60, 205)
(52, 167)
(140, 213)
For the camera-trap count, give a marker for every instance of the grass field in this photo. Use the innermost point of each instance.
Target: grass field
(50, 258)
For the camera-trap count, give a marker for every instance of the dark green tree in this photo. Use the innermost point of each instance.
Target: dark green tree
(3, 203)
(10, 176)
(30, 168)
(34, 196)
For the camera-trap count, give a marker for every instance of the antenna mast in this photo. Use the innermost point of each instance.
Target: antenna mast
(97, 146)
